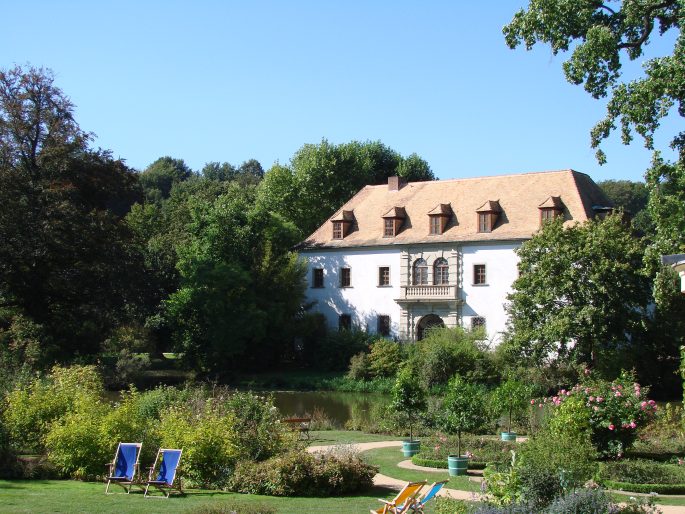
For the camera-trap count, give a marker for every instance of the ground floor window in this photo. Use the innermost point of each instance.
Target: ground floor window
(477, 322)
(383, 325)
(344, 322)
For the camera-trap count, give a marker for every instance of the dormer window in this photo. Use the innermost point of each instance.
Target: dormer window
(439, 216)
(488, 214)
(342, 223)
(550, 209)
(393, 220)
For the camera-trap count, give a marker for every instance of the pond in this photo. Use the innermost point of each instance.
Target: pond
(338, 407)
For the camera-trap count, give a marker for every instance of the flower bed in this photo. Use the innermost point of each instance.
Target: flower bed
(481, 450)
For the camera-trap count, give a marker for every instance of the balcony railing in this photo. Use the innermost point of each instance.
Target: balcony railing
(429, 292)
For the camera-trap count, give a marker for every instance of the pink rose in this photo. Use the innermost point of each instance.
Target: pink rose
(633, 424)
(611, 427)
(600, 399)
(617, 393)
(532, 402)
(651, 402)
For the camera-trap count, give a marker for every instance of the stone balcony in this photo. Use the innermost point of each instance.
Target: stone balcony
(428, 293)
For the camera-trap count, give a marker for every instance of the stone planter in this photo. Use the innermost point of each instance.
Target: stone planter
(457, 465)
(508, 436)
(411, 448)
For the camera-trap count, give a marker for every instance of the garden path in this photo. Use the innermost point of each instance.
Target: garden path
(393, 483)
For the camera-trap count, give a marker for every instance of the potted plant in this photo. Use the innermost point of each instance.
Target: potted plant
(509, 398)
(464, 409)
(408, 400)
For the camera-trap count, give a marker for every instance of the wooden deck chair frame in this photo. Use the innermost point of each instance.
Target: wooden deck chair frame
(430, 494)
(404, 500)
(122, 481)
(165, 488)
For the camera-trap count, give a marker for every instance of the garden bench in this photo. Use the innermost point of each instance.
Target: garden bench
(300, 425)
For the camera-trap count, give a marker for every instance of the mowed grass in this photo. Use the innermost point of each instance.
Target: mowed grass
(64, 496)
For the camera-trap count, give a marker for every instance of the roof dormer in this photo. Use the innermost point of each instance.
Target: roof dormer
(488, 214)
(342, 223)
(439, 216)
(551, 208)
(393, 220)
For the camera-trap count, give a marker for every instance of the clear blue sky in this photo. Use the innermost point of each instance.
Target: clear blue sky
(229, 81)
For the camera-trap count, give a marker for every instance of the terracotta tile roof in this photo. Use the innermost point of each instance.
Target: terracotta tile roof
(518, 197)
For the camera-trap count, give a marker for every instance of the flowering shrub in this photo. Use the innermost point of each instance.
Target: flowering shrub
(613, 411)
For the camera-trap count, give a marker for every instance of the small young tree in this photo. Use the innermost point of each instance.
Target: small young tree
(464, 408)
(408, 397)
(511, 397)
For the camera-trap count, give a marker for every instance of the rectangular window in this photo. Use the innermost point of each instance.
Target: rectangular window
(383, 325)
(477, 322)
(384, 276)
(317, 277)
(344, 322)
(388, 227)
(337, 230)
(345, 277)
(484, 224)
(479, 276)
(436, 225)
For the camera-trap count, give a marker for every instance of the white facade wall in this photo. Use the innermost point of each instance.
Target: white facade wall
(364, 300)
(488, 301)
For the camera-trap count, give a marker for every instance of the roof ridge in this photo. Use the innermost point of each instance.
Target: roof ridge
(506, 175)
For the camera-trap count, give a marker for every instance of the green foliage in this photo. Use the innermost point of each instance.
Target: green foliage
(31, 409)
(645, 488)
(408, 397)
(511, 397)
(360, 368)
(334, 349)
(584, 501)
(642, 471)
(551, 464)
(159, 177)
(385, 358)
(300, 473)
(581, 292)
(631, 197)
(483, 450)
(322, 177)
(448, 351)
(503, 483)
(464, 409)
(571, 418)
(444, 505)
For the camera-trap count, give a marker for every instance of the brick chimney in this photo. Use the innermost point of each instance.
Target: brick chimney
(395, 183)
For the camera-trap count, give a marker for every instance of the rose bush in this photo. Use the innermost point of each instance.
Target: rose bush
(611, 411)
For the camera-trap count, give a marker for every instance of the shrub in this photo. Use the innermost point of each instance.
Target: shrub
(444, 505)
(299, 473)
(385, 358)
(584, 501)
(332, 351)
(360, 368)
(551, 463)
(208, 443)
(31, 409)
(482, 449)
(511, 398)
(614, 410)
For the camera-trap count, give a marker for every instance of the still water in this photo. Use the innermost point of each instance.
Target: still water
(338, 407)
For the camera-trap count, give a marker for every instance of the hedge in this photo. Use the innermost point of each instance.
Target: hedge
(645, 488)
(417, 460)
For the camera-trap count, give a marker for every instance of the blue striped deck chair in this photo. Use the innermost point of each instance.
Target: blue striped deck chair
(163, 473)
(123, 470)
(430, 494)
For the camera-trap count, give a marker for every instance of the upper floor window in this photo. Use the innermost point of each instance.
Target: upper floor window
(337, 230)
(436, 225)
(439, 216)
(345, 277)
(488, 213)
(479, 275)
(317, 277)
(383, 327)
(550, 209)
(388, 227)
(384, 276)
(420, 272)
(484, 222)
(441, 272)
(345, 322)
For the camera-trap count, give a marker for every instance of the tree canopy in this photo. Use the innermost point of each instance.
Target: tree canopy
(322, 177)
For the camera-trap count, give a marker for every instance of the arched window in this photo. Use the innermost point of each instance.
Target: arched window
(420, 272)
(441, 272)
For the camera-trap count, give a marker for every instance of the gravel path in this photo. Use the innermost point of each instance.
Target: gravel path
(393, 483)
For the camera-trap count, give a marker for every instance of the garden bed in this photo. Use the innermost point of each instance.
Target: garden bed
(643, 476)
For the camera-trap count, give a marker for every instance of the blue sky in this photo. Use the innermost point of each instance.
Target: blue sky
(229, 81)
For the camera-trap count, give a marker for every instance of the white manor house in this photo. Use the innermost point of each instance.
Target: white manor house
(399, 258)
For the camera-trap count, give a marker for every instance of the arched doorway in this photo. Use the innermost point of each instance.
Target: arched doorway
(426, 323)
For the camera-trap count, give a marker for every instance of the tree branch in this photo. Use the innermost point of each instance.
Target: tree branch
(648, 25)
